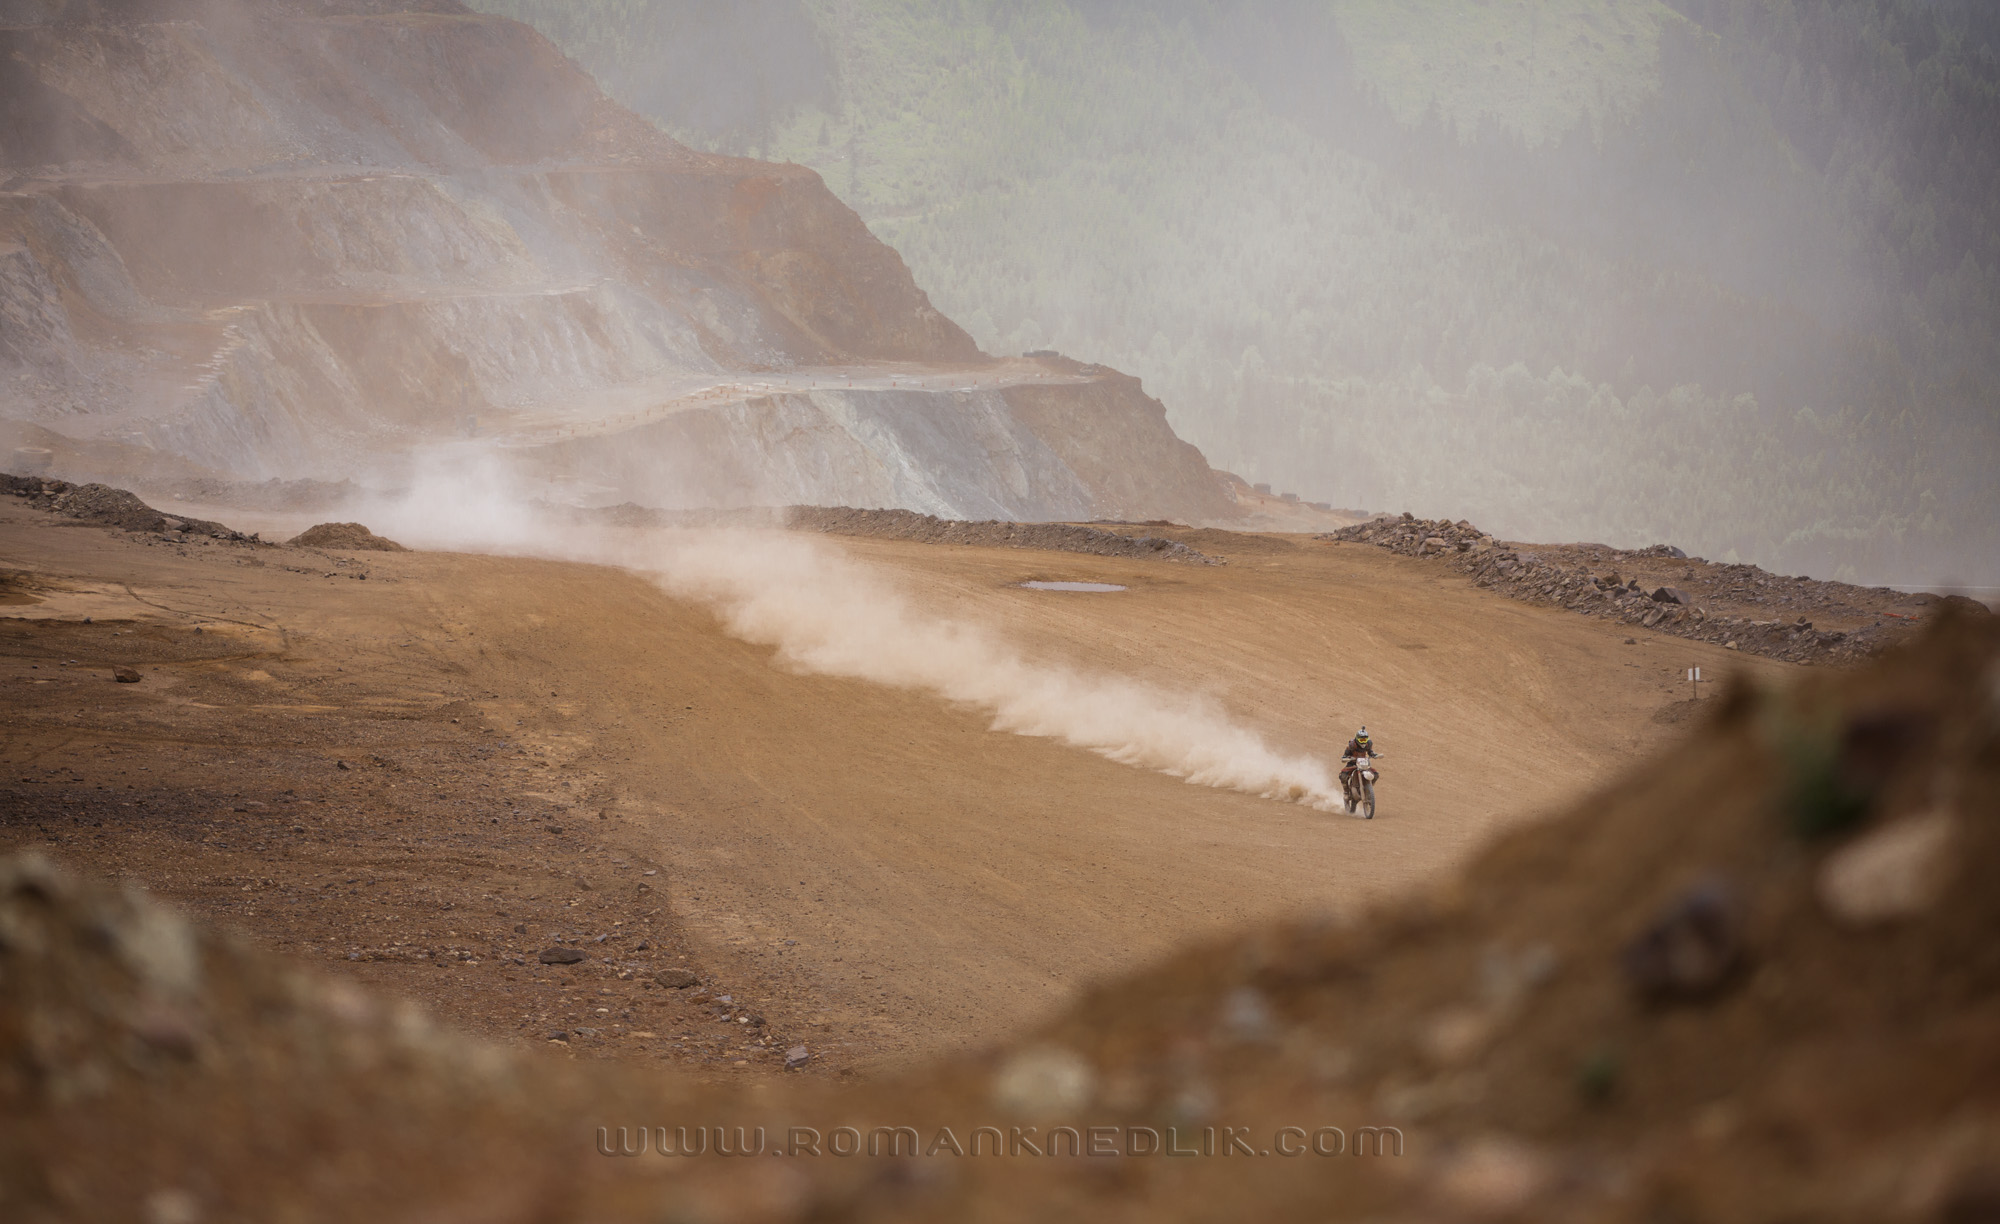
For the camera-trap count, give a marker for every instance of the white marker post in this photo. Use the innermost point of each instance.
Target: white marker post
(1694, 678)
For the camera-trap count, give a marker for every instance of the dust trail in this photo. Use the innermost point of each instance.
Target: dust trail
(825, 612)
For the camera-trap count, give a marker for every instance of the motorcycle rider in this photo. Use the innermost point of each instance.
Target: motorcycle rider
(1359, 746)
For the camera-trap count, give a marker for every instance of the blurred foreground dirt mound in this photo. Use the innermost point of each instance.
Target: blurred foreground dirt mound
(1756, 980)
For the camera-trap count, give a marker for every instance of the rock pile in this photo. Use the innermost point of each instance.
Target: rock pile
(1681, 595)
(1057, 537)
(349, 536)
(109, 507)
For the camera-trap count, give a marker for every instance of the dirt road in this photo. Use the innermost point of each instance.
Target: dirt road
(575, 416)
(867, 870)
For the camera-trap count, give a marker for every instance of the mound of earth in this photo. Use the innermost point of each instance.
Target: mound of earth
(108, 507)
(1755, 981)
(350, 536)
(1799, 620)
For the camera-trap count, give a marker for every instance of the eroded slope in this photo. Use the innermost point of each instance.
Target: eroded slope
(309, 239)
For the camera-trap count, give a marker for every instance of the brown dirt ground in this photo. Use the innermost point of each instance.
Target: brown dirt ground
(865, 870)
(1494, 1045)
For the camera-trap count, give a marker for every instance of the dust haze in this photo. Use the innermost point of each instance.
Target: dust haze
(824, 611)
(513, 516)
(1709, 273)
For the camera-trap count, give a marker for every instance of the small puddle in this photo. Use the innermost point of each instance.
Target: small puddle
(1072, 586)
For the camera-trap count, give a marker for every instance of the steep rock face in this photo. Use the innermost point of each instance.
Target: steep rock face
(307, 237)
(1073, 452)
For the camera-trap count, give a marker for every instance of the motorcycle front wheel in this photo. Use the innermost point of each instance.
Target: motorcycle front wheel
(1367, 801)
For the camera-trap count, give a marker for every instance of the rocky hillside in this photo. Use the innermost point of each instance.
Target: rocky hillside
(1661, 588)
(303, 239)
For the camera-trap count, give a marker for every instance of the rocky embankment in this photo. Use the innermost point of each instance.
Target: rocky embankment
(1661, 588)
(923, 528)
(102, 505)
(1057, 537)
(109, 507)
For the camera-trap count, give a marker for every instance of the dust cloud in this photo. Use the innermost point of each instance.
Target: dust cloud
(824, 611)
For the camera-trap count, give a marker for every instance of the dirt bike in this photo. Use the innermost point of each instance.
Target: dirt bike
(1357, 784)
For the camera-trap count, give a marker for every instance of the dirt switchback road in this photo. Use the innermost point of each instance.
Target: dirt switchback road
(495, 752)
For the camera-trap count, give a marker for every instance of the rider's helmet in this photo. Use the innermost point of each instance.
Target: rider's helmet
(1361, 737)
